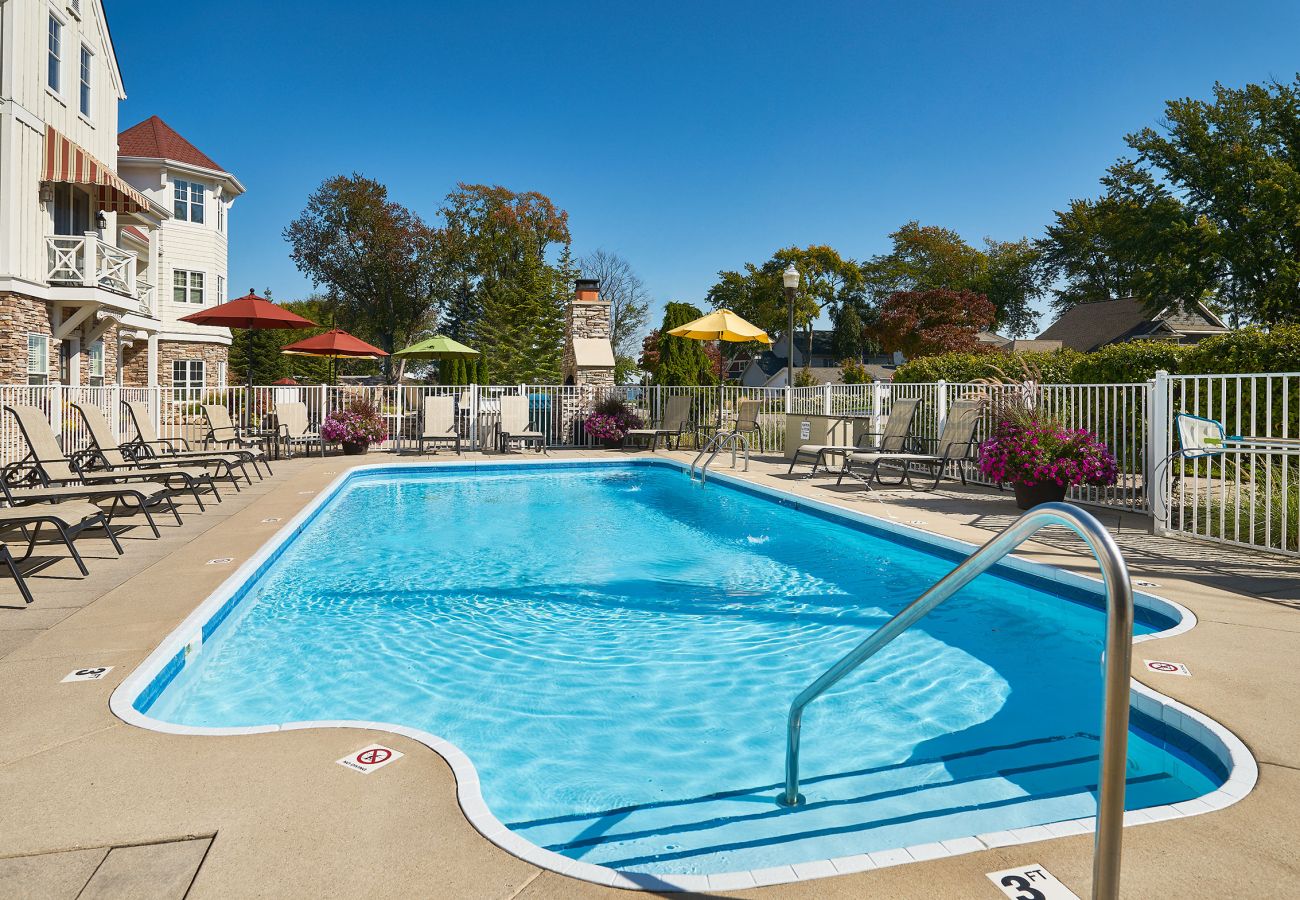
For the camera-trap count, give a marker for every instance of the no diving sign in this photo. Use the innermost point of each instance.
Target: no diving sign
(1165, 667)
(368, 759)
(1031, 883)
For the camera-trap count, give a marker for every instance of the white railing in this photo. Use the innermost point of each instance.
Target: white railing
(87, 261)
(145, 290)
(1247, 495)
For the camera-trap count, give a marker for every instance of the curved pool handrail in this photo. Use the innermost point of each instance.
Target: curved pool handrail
(1115, 690)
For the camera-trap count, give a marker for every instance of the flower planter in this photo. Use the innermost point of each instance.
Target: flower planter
(1029, 496)
(612, 443)
(352, 448)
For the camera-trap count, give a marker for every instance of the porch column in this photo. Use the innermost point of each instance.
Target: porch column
(152, 359)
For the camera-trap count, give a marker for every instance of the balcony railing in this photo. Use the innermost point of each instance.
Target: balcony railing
(87, 261)
(146, 292)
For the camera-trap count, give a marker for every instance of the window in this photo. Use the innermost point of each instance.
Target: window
(85, 81)
(187, 379)
(187, 287)
(221, 216)
(54, 75)
(188, 199)
(221, 289)
(38, 359)
(97, 364)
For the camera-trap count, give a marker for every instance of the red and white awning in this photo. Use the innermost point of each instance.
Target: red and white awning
(67, 162)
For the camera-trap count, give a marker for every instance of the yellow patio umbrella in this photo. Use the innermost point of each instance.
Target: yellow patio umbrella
(721, 325)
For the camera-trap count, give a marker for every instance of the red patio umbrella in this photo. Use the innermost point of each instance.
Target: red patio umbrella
(249, 311)
(334, 344)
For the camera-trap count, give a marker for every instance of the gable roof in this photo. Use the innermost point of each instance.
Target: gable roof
(1088, 326)
(155, 139)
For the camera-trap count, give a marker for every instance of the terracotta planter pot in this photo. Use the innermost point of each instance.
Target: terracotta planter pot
(1027, 496)
(354, 449)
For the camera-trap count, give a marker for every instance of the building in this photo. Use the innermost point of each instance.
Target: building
(1015, 345)
(1088, 326)
(169, 170)
(768, 368)
(81, 248)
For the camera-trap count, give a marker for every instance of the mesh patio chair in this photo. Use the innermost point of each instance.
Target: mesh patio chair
(893, 439)
(676, 422)
(515, 426)
(294, 429)
(955, 446)
(438, 423)
(147, 443)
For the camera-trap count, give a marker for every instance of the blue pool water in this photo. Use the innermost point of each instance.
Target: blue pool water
(615, 649)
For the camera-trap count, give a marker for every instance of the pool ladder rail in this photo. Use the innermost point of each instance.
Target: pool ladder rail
(1115, 689)
(723, 440)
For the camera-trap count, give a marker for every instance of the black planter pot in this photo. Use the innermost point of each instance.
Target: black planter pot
(354, 449)
(612, 443)
(1029, 496)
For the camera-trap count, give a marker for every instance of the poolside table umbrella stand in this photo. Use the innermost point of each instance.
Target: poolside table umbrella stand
(249, 311)
(721, 325)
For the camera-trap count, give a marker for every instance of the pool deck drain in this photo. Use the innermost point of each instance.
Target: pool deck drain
(75, 777)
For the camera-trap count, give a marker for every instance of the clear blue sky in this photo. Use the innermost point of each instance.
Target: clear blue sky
(688, 137)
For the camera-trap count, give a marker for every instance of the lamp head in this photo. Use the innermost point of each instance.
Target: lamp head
(790, 276)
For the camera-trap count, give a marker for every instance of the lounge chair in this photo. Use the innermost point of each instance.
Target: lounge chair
(746, 423)
(892, 440)
(147, 443)
(104, 451)
(45, 475)
(514, 425)
(223, 433)
(438, 423)
(69, 519)
(676, 421)
(291, 422)
(956, 444)
(97, 463)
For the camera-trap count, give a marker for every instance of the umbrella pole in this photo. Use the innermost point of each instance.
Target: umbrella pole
(248, 400)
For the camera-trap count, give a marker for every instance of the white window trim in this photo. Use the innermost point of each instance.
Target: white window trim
(59, 92)
(189, 286)
(86, 116)
(186, 389)
(44, 373)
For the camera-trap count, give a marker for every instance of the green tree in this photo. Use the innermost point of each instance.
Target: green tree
(682, 361)
(928, 257)
(847, 338)
(375, 258)
(522, 320)
(1207, 209)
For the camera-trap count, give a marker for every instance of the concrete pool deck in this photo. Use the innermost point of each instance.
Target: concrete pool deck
(95, 807)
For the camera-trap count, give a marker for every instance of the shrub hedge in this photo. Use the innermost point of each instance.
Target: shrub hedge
(1246, 350)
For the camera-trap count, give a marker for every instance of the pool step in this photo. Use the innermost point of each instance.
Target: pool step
(917, 801)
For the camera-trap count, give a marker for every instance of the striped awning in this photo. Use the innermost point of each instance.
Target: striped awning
(66, 161)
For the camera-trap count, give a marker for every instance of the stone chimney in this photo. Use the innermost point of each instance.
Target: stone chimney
(588, 354)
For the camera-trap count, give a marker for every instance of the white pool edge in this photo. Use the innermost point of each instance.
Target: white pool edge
(1243, 771)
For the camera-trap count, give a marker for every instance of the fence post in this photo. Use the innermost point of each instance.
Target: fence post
(826, 399)
(473, 417)
(1155, 468)
(789, 399)
(940, 406)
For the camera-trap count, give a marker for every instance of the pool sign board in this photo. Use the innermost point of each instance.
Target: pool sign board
(94, 673)
(1165, 667)
(1031, 882)
(805, 430)
(368, 759)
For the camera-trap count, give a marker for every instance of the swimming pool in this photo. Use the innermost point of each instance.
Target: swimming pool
(606, 652)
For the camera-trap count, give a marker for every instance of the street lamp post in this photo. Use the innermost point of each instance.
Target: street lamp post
(790, 277)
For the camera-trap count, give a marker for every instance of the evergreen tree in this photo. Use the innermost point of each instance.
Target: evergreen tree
(682, 361)
(846, 339)
(522, 321)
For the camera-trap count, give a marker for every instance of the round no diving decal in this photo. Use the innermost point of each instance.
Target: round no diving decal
(368, 759)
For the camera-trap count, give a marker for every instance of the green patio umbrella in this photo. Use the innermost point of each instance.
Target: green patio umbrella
(436, 347)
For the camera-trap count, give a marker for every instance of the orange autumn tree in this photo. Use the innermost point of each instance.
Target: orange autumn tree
(923, 323)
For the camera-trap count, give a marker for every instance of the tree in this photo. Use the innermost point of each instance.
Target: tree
(649, 358)
(928, 257)
(1208, 209)
(682, 361)
(847, 336)
(374, 257)
(920, 323)
(522, 321)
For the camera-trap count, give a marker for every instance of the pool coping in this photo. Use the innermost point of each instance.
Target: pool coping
(186, 639)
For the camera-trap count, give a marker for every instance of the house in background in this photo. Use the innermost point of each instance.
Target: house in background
(84, 252)
(768, 368)
(171, 171)
(1015, 345)
(1088, 326)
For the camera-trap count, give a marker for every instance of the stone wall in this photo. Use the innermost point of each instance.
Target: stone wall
(21, 315)
(136, 361)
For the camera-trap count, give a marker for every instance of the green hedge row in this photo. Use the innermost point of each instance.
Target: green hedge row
(1247, 350)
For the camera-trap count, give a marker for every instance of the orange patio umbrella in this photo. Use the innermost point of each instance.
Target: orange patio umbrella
(334, 344)
(249, 311)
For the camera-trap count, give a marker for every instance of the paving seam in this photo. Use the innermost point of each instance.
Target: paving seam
(71, 740)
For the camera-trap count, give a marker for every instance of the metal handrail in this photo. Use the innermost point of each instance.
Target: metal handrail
(723, 440)
(1115, 690)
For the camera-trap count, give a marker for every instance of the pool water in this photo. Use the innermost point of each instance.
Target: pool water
(615, 649)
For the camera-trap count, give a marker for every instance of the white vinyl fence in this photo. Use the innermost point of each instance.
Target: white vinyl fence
(1246, 495)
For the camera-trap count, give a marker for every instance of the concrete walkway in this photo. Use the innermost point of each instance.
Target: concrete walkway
(275, 817)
